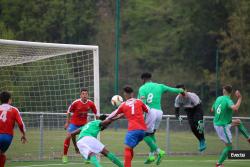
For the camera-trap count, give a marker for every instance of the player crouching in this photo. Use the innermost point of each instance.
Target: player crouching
(89, 145)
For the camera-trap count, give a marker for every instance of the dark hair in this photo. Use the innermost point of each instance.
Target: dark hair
(84, 90)
(103, 117)
(146, 75)
(228, 88)
(128, 89)
(5, 97)
(180, 86)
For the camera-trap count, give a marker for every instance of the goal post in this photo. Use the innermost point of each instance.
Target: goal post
(47, 77)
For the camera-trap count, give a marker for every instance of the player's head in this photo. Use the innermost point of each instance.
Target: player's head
(128, 92)
(5, 97)
(227, 90)
(146, 76)
(84, 94)
(181, 86)
(105, 122)
(103, 117)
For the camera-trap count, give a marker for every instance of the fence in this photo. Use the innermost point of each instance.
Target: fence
(45, 135)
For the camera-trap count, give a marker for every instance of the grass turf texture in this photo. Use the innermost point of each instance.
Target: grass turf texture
(179, 142)
(187, 161)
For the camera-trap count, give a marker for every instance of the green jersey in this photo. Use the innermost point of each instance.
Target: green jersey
(90, 129)
(151, 93)
(223, 112)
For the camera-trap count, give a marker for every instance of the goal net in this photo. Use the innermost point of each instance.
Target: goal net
(44, 79)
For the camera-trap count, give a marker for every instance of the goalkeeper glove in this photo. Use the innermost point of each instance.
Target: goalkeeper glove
(180, 120)
(200, 127)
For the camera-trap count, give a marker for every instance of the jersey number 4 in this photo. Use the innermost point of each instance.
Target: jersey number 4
(3, 116)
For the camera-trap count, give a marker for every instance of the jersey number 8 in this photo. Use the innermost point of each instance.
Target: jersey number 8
(150, 98)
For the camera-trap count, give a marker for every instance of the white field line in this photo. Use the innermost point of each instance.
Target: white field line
(186, 160)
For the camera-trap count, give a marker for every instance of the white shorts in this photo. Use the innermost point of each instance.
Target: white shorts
(224, 133)
(153, 119)
(89, 144)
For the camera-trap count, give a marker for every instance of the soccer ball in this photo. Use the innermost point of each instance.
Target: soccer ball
(116, 100)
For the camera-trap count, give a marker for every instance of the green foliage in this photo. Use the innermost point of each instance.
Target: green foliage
(175, 40)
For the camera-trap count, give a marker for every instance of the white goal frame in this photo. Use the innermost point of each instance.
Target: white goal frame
(94, 48)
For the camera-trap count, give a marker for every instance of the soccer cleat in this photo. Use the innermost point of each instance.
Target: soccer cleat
(87, 161)
(149, 160)
(219, 165)
(160, 155)
(202, 146)
(64, 159)
(248, 140)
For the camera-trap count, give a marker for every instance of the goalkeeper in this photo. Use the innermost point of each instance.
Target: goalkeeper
(192, 105)
(88, 144)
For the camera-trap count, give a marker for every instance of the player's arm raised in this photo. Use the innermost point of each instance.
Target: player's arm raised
(171, 89)
(239, 99)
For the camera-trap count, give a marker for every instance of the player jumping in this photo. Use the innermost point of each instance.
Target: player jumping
(133, 110)
(192, 105)
(88, 144)
(8, 116)
(223, 109)
(150, 93)
(80, 109)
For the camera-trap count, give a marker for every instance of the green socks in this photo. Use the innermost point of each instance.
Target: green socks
(114, 159)
(150, 142)
(94, 161)
(224, 154)
(243, 130)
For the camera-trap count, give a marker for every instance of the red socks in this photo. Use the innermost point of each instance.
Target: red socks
(128, 156)
(66, 146)
(2, 160)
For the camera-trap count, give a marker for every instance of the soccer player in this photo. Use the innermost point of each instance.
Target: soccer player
(223, 109)
(133, 110)
(79, 108)
(88, 144)
(150, 93)
(192, 105)
(8, 116)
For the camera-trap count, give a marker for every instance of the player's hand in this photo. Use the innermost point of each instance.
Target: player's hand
(237, 94)
(66, 125)
(23, 139)
(180, 120)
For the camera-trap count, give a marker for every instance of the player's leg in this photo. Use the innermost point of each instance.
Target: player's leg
(150, 119)
(194, 120)
(5, 141)
(225, 135)
(198, 121)
(89, 147)
(160, 153)
(112, 157)
(131, 140)
(242, 129)
(66, 145)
